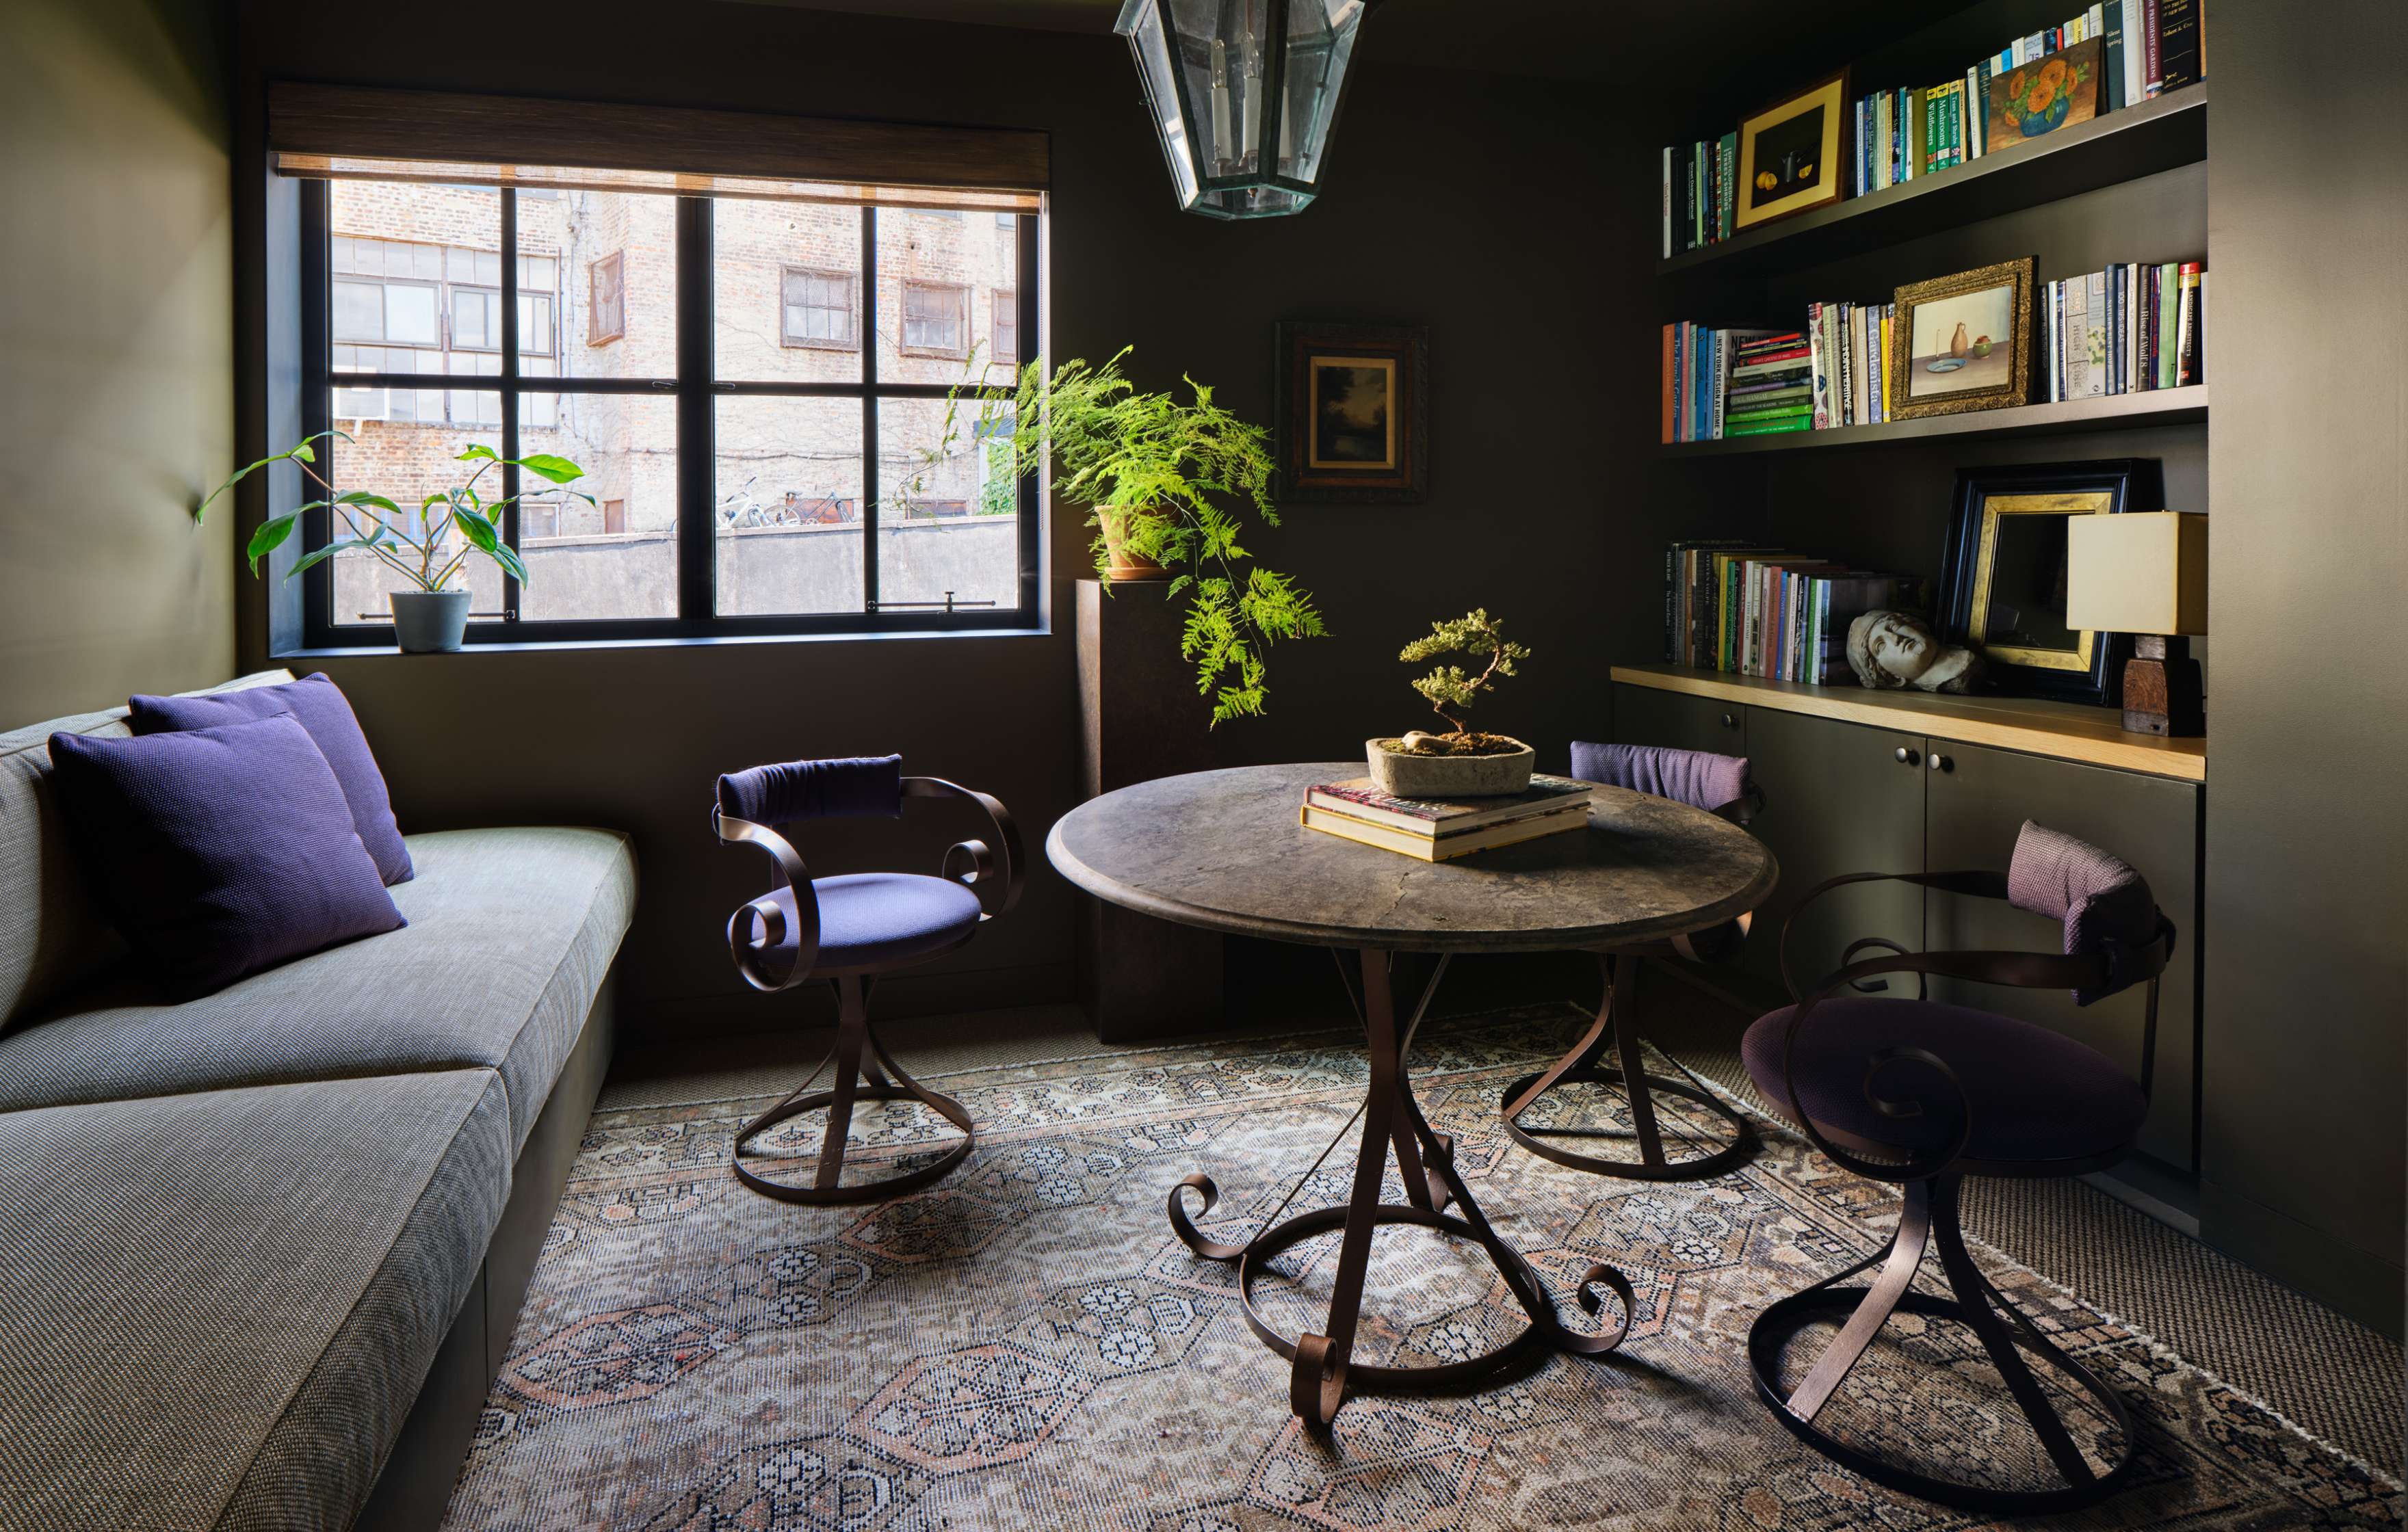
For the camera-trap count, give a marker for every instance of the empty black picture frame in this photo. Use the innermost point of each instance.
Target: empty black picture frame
(2130, 483)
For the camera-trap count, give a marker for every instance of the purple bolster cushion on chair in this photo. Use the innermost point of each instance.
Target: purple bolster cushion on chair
(2105, 905)
(1698, 778)
(219, 851)
(318, 705)
(793, 790)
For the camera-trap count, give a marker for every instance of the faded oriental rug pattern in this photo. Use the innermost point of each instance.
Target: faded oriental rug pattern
(1025, 1345)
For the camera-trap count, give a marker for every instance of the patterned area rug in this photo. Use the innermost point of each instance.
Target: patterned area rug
(1025, 1345)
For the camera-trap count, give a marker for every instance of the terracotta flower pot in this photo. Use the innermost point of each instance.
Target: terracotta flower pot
(1120, 561)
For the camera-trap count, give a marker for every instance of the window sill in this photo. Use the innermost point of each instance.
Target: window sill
(348, 652)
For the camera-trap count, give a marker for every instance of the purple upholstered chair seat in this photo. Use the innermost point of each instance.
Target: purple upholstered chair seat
(2036, 1096)
(879, 918)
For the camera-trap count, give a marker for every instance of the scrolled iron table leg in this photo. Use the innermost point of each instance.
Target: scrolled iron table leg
(1322, 1364)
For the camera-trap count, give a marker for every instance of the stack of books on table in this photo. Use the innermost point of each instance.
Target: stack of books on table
(1441, 832)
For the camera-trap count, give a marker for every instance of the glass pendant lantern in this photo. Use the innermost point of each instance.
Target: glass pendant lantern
(1245, 93)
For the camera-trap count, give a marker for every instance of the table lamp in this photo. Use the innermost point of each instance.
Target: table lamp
(2145, 574)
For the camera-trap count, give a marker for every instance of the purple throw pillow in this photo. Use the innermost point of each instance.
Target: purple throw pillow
(220, 852)
(319, 705)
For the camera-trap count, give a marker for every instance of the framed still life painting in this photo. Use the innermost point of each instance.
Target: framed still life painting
(2002, 580)
(1791, 159)
(1963, 342)
(1353, 412)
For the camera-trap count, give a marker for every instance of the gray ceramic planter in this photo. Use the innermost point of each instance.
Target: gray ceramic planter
(1444, 777)
(429, 622)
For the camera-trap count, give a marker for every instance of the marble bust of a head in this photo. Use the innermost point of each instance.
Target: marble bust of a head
(1890, 650)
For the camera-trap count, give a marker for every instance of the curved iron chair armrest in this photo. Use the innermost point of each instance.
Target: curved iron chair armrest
(972, 863)
(760, 927)
(1984, 886)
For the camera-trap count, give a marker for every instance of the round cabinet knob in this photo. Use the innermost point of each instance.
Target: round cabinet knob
(1909, 756)
(1730, 720)
(1943, 763)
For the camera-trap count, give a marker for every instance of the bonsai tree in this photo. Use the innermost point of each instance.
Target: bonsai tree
(1451, 687)
(1165, 482)
(428, 560)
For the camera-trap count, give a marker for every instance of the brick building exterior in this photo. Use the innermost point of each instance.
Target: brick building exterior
(416, 280)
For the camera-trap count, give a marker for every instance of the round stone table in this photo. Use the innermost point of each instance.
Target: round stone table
(1223, 849)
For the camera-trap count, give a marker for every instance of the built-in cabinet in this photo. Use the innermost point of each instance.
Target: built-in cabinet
(1843, 796)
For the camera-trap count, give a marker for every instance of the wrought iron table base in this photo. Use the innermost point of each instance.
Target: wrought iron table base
(1618, 1012)
(1931, 1219)
(1321, 1365)
(856, 1079)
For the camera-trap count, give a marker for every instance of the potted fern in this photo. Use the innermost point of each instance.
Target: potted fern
(433, 618)
(1462, 762)
(1165, 482)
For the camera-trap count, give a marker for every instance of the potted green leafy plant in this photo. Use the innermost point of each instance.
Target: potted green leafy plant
(1460, 763)
(1165, 482)
(433, 618)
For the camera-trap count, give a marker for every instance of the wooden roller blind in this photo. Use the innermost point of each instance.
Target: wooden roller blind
(364, 132)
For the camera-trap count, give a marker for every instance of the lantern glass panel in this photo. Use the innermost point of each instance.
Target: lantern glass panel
(1320, 45)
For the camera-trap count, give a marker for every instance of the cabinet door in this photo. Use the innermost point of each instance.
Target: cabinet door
(1838, 797)
(1978, 800)
(1677, 721)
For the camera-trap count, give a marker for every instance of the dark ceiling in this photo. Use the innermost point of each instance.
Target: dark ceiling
(1563, 39)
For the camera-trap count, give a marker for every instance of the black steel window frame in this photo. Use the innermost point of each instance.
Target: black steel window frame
(697, 393)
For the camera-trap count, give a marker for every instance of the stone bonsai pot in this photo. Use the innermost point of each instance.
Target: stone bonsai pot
(1460, 763)
(1402, 772)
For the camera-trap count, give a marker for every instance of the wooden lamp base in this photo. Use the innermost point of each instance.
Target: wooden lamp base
(2162, 691)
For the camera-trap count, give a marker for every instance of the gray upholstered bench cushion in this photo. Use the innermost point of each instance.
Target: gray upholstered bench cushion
(219, 1307)
(510, 933)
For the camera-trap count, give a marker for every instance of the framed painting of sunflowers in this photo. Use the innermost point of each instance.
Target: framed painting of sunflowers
(2037, 99)
(1789, 154)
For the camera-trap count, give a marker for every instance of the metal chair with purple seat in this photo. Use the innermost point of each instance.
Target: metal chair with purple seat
(1923, 1094)
(1720, 785)
(849, 930)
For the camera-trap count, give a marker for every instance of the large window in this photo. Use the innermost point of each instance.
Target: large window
(756, 390)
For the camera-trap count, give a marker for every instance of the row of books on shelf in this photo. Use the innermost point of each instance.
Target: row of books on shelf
(2128, 329)
(1767, 611)
(1436, 831)
(2114, 54)
(1834, 372)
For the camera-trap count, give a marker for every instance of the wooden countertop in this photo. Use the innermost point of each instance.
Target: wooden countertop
(2065, 730)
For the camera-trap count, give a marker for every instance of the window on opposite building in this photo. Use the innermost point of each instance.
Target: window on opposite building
(817, 309)
(936, 319)
(606, 313)
(1006, 324)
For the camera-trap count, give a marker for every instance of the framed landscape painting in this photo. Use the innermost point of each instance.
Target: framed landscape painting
(1963, 342)
(1353, 411)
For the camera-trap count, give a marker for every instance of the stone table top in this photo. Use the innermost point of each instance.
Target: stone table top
(1223, 849)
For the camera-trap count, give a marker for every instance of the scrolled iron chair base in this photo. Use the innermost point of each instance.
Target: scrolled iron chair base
(1930, 1220)
(862, 1081)
(1582, 1065)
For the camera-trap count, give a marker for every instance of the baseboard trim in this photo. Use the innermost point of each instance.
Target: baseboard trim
(2341, 1275)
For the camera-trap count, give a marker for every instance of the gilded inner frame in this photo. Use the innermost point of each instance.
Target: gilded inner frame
(1994, 509)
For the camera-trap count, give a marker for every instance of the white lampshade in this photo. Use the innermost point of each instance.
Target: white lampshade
(2145, 572)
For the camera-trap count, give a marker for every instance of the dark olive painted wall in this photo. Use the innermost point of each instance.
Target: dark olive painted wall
(116, 352)
(2307, 970)
(1470, 204)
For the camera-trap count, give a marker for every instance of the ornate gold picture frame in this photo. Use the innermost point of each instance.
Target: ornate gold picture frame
(1963, 342)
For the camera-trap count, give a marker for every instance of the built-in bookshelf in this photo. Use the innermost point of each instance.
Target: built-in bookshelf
(2154, 135)
(2068, 416)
